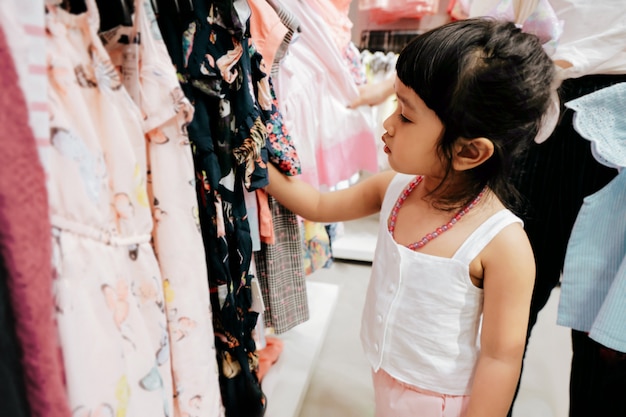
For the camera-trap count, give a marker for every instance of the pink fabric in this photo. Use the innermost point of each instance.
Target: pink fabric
(109, 297)
(25, 244)
(266, 29)
(340, 160)
(397, 399)
(313, 87)
(176, 233)
(387, 11)
(335, 14)
(266, 225)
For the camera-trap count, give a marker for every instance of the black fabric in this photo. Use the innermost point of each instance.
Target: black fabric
(13, 400)
(554, 177)
(226, 134)
(598, 379)
(114, 13)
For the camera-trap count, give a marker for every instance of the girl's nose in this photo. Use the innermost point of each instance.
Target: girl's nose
(388, 126)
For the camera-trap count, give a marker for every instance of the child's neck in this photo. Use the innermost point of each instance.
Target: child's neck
(441, 193)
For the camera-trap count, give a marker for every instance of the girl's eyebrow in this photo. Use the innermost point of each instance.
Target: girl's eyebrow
(405, 102)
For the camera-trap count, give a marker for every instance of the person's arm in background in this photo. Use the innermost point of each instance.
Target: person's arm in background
(373, 94)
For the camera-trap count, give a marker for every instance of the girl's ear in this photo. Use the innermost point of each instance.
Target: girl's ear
(469, 153)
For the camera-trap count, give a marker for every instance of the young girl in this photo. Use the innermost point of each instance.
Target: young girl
(445, 319)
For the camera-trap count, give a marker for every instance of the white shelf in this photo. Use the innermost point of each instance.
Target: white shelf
(357, 242)
(287, 381)
(355, 247)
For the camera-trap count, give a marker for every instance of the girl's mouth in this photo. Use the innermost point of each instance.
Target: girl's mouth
(386, 148)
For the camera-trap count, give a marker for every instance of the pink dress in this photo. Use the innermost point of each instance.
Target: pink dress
(110, 305)
(314, 87)
(176, 235)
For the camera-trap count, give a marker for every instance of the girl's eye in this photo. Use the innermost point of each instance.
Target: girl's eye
(403, 119)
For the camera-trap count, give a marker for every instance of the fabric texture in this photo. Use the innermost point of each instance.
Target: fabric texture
(316, 246)
(394, 398)
(314, 86)
(389, 11)
(269, 355)
(289, 20)
(591, 40)
(600, 119)
(25, 246)
(176, 235)
(598, 379)
(23, 25)
(13, 389)
(593, 287)
(109, 298)
(221, 74)
(280, 267)
(554, 177)
(592, 37)
(267, 29)
(280, 145)
(424, 310)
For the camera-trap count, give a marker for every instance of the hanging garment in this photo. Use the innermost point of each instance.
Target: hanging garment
(13, 387)
(220, 74)
(388, 11)
(335, 14)
(177, 238)
(593, 287)
(280, 268)
(314, 87)
(292, 24)
(281, 149)
(26, 250)
(267, 31)
(108, 288)
(267, 38)
(23, 23)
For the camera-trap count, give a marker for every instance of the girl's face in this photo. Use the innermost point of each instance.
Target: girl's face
(412, 134)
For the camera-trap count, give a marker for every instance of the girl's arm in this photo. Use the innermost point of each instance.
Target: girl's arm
(357, 201)
(509, 275)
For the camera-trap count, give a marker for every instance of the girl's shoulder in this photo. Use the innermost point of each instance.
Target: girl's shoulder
(511, 243)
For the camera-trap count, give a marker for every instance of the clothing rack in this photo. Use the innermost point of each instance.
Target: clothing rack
(386, 40)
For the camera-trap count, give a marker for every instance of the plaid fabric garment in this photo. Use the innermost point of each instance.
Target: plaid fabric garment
(280, 268)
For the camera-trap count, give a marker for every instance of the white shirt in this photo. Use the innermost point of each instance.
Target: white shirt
(594, 34)
(422, 314)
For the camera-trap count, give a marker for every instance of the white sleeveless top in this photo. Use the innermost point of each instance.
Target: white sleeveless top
(422, 315)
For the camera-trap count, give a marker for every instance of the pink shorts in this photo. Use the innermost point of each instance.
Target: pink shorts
(397, 399)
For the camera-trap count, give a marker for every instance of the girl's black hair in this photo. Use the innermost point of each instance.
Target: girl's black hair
(483, 78)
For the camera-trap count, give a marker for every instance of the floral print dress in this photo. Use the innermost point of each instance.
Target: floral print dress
(110, 304)
(148, 72)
